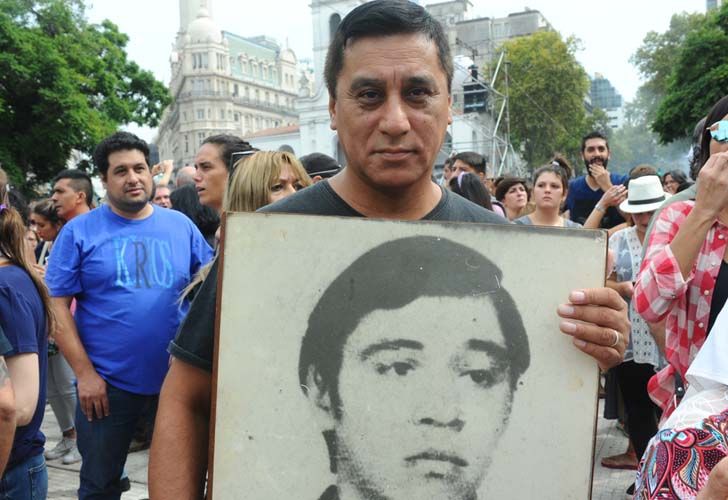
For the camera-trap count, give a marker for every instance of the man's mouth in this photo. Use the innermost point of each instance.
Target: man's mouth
(135, 191)
(394, 154)
(437, 456)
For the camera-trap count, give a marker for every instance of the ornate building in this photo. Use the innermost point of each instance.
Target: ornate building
(223, 83)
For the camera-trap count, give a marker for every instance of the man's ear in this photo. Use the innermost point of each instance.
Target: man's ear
(332, 112)
(317, 178)
(449, 109)
(318, 394)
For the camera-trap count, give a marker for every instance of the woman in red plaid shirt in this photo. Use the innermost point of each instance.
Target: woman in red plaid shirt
(684, 275)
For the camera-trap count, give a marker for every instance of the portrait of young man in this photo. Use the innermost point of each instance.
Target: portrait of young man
(406, 411)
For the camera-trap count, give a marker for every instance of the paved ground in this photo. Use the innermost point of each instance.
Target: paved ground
(63, 479)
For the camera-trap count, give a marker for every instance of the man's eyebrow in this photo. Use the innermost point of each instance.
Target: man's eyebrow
(365, 81)
(485, 346)
(390, 345)
(421, 80)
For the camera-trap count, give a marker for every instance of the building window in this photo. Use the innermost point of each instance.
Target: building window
(209, 114)
(200, 114)
(274, 75)
(257, 95)
(237, 116)
(244, 66)
(267, 97)
(247, 92)
(204, 60)
(187, 144)
(200, 138)
(222, 114)
(235, 90)
(184, 116)
(264, 72)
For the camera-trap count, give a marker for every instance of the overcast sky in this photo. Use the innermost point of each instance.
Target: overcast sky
(610, 31)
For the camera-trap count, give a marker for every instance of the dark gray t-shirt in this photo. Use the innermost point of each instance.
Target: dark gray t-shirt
(193, 343)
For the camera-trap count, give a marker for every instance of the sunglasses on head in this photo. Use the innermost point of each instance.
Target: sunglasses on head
(239, 155)
(719, 131)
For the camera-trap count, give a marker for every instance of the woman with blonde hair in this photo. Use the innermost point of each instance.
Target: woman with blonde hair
(258, 180)
(263, 178)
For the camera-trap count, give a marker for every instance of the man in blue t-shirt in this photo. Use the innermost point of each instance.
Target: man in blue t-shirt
(126, 264)
(586, 191)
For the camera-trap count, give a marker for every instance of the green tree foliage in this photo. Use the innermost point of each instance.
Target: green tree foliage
(655, 60)
(547, 87)
(64, 85)
(699, 77)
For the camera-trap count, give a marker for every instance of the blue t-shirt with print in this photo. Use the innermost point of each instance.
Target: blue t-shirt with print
(126, 276)
(23, 320)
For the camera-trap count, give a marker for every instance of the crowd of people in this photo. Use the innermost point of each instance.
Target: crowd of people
(107, 307)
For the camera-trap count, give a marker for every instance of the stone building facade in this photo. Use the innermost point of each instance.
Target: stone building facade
(223, 83)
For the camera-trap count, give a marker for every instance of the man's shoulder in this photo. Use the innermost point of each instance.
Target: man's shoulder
(317, 199)
(459, 209)
(577, 182)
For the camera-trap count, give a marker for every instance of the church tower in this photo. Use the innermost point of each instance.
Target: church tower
(316, 134)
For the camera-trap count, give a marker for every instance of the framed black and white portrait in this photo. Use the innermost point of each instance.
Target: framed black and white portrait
(371, 360)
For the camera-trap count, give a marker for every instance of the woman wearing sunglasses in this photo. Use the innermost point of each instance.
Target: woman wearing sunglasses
(684, 275)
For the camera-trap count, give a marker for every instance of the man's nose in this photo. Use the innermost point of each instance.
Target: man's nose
(395, 120)
(441, 409)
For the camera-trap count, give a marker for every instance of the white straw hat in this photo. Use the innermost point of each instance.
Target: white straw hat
(644, 194)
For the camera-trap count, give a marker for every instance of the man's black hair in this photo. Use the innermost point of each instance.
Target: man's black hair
(717, 112)
(79, 181)
(593, 135)
(120, 141)
(381, 18)
(475, 160)
(320, 164)
(228, 144)
(389, 277)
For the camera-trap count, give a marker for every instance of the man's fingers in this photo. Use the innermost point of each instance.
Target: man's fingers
(602, 296)
(606, 345)
(86, 407)
(105, 404)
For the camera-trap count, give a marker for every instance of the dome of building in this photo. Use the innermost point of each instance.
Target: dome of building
(203, 29)
(287, 55)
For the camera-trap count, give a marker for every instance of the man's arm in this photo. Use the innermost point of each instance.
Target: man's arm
(178, 457)
(91, 387)
(612, 197)
(7, 415)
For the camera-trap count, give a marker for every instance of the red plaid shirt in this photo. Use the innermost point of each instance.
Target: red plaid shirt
(661, 291)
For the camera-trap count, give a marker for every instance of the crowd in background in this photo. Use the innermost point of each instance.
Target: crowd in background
(71, 265)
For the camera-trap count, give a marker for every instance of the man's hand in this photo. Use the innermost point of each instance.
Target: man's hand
(165, 167)
(613, 196)
(596, 318)
(92, 396)
(600, 176)
(717, 486)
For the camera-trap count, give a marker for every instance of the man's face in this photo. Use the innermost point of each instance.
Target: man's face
(423, 400)
(128, 181)
(391, 109)
(161, 197)
(595, 152)
(66, 199)
(211, 176)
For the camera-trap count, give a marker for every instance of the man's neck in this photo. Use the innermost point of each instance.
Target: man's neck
(410, 203)
(141, 214)
(80, 210)
(591, 182)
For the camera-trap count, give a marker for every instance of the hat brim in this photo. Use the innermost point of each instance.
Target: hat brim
(640, 209)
